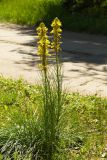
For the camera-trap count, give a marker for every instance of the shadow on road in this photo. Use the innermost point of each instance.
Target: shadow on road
(85, 64)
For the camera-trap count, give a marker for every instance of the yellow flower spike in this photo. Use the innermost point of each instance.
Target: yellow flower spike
(56, 31)
(43, 44)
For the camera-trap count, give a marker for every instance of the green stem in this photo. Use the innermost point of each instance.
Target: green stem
(48, 114)
(58, 72)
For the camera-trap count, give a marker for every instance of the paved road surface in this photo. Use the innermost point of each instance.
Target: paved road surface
(84, 58)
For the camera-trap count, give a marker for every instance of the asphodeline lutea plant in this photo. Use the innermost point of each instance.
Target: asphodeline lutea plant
(52, 85)
(56, 46)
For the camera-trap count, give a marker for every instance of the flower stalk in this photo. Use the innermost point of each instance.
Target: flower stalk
(55, 45)
(43, 52)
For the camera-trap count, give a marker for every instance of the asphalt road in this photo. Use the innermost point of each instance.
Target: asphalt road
(84, 58)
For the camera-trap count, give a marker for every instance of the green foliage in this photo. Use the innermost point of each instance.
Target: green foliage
(81, 4)
(82, 127)
(76, 15)
(91, 20)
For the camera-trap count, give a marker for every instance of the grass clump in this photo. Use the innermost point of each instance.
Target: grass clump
(82, 128)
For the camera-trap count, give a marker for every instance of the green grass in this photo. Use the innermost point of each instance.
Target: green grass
(31, 12)
(82, 126)
(28, 11)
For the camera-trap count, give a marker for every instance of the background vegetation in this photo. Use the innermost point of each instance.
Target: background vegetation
(76, 15)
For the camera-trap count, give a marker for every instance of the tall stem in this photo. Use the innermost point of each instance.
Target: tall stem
(58, 74)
